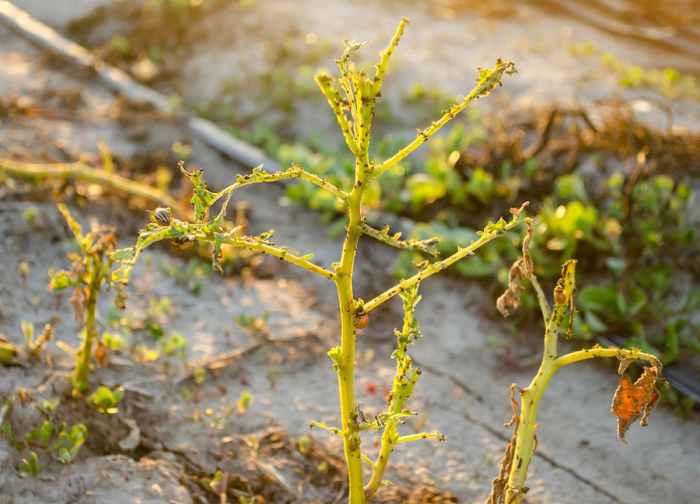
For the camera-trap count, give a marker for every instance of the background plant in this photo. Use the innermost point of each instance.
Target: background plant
(90, 271)
(631, 400)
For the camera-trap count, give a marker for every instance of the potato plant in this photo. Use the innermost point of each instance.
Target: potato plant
(631, 400)
(90, 271)
(352, 97)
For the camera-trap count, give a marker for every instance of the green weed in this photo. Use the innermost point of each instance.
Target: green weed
(107, 400)
(30, 466)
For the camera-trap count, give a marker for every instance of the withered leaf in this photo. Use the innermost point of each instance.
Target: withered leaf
(632, 400)
(101, 354)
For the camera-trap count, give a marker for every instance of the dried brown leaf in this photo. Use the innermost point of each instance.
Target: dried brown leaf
(632, 400)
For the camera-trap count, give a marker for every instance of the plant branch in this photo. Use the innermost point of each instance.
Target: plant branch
(488, 80)
(383, 235)
(179, 230)
(281, 253)
(489, 233)
(326, 427)
(260, 176)
(412, 438)
(327, 85)
(383, 65)
(600, 352)
(81, 171)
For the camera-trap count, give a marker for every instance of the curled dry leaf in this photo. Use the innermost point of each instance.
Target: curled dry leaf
(510, 299)
(523, 268)
(632, 400)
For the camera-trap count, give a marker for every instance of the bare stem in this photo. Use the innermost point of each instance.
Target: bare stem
(280, 253)
(82, 368)
(530, 398)
(260, 177)
(489, 234)
(488, 79)
(525, 439)
(383, 235)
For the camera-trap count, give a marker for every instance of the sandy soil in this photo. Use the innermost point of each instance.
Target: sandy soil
(464, 391)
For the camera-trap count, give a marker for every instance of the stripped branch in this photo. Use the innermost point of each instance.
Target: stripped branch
(490, 233)
(487, 81)
(394, 240)
(84, 173)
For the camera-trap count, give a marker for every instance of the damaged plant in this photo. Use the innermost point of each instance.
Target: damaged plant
(352, 97)
(90, 271)
(632, 400)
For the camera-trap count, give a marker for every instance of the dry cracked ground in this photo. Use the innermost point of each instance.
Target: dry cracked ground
(173, 430)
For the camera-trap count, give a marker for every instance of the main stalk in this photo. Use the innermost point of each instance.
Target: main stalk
(346, 371)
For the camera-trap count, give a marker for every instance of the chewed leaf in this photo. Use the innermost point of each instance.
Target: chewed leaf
(510, 299)
(61, 280)
(202, 197)
(632, 400)
(127, 257)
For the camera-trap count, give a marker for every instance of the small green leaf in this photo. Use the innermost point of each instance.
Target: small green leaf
(30, 466)
(8, 352)
(123, 254)
(243, 402)
(42, 434)
(692, 300)
(176, 343)
(106, 400)
(334, 354)
(69, 443)
(672, 341)
(202, 197)
(62, 279)
(597, 299)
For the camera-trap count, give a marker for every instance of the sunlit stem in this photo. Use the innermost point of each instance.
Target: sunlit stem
(328, 428)
(424, 246)
(327, 85)
(280, 253)
(361, 95)
(290, 173)
(439, 266)
(346, 369)
(385, 56)
(82, 368)
(487, 81)
(529, 401)
(599, 352)
(412, 438)
(541, 298)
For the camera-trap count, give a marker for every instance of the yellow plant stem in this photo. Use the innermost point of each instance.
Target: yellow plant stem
(82, 368)
(389, 438)
(280, 253)
(290, 173)
(346, 365)
(82, 172)
(527, 421)
(488, 80)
